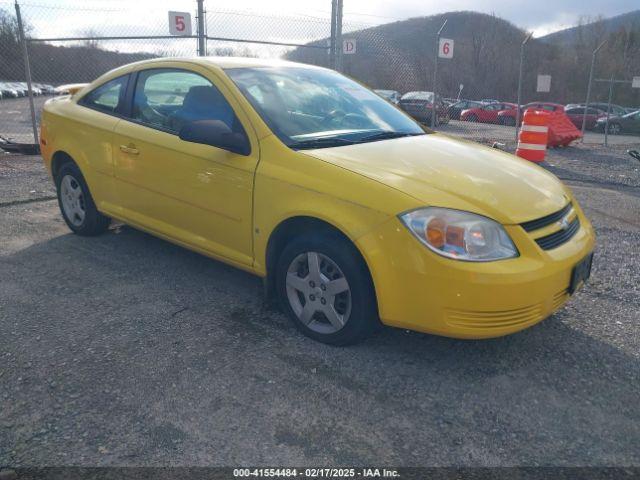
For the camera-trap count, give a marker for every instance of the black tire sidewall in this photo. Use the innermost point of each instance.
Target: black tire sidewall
(94, 222)
(363, 319)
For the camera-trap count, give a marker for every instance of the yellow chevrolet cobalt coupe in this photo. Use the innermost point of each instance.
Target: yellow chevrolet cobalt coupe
(351, 212)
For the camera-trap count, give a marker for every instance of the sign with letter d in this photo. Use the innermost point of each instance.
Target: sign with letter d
(349, 47)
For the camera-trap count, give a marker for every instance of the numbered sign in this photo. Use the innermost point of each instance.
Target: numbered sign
(349, 47)
(446, 48)
(180, 23)
(544, 83)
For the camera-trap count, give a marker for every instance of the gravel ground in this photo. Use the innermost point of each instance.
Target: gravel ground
(127, 350)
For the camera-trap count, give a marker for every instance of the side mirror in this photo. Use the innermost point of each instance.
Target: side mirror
(216, 134)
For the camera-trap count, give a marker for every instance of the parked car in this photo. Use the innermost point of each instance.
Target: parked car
(46, 89)
(616, 110)
(508, 117)
(576, 115)
(456, 108)
(627, 123)
(8, 91)
(486, 113)
(351, 212)
(420, 106)
(390, 95)
(22, 92)
(36, 91)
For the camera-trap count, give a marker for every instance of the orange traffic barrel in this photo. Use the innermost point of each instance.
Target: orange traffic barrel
(534, 133)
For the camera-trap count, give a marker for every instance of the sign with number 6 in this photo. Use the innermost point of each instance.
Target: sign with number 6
(180, 23)
(446, 48)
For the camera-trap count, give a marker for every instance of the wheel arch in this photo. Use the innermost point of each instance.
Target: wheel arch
(298, 225)
(58, 159)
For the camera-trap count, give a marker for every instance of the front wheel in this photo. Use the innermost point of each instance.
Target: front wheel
(76, 204)
(326, 290)
(509, 121)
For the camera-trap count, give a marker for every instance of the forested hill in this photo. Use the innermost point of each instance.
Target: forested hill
(400, 56)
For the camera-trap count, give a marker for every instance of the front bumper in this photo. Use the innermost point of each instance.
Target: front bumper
(420, 290)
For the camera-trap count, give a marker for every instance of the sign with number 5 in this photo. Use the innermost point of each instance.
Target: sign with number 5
(180, 23)
(446, 48)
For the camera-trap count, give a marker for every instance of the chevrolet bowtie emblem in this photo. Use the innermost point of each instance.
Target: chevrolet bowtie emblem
(564, 223)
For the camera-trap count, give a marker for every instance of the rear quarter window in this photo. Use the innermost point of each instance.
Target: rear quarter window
(107, 97)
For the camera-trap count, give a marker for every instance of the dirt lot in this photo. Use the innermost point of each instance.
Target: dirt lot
(127, 350)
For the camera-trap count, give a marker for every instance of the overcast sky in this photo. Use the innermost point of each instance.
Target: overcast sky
(54, 18)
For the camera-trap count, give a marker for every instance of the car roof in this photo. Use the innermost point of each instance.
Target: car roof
(225, 62)
(219, 63)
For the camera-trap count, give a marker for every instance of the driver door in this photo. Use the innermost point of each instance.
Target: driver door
(194, 194)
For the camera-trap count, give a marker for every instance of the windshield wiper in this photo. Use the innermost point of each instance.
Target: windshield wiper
(321, 142)
(385, 135)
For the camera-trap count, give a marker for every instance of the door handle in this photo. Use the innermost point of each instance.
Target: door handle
(129, 150)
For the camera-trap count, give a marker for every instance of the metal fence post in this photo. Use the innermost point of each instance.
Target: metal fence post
(435, 76)
(202, 49)
(524, 42)
(339, 52)
(586, 104)
(332, 39)
(27, 69)
(606, 125)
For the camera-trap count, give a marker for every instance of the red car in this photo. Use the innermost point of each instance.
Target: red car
(576, 114)
(486, 113)
(508, 117)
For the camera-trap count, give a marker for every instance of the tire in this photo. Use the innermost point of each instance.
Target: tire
(305, 295)
(472, 118)
(509, 122)
(615, 128)
(76, 203)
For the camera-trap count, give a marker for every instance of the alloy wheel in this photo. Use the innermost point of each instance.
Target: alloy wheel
(318, 292)
(614, 129)
(72, 199)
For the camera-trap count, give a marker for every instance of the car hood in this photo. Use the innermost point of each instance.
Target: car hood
(440, 171)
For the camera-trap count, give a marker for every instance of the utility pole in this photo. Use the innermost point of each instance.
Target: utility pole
(27, 70)
(202, 49)
(586, 104)
(435, 76)
(518, 109)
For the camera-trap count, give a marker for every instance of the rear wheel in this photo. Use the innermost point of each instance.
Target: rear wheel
(76, 204)
(472, 118)
(326, 290)
(509, 121)
(615, 128)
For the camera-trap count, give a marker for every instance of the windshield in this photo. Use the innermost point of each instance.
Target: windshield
(317, 108)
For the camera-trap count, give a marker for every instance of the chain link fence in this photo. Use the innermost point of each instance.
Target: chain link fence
(476, 90)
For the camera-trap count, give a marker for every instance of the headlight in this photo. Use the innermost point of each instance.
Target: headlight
(460, 235)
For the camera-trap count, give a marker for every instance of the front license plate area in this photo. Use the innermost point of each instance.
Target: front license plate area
(580, 273)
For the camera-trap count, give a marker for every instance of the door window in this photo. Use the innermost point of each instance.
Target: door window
(107, 97)
(168, 99)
